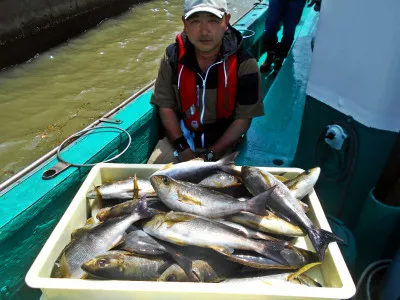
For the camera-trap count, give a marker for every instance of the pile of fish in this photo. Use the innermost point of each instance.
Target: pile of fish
(197, 221)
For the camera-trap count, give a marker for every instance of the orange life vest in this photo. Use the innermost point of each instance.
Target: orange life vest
(226, 94)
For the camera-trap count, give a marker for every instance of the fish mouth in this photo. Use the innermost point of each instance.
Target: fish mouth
(155, 180)
(89, 265)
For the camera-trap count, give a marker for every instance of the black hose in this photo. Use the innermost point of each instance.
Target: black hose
(348, 163)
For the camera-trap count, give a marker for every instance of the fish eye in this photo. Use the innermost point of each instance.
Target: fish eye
(171, 277)
(165, 180)
(102, 262)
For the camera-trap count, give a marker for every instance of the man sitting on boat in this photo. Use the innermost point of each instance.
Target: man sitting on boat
(208, 87)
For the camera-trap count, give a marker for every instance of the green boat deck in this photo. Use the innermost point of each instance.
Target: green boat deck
(272, 139)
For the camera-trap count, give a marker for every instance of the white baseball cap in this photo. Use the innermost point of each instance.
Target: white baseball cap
(215, 7)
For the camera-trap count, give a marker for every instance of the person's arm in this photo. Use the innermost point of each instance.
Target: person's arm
(163, 97)
(174, 132)
(231, 136)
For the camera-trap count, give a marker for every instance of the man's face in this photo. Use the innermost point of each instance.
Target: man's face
(205, 31)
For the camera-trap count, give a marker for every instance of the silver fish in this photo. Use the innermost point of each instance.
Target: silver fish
(303, 184)
(268, 224)
(125, 266)
(295, 258)
(220, 180)
(272, 278)
(196, 169)
(192, 198)
(96, 241)
(127, 189)
(256, 182)
(186, 229)
(140, 242)
(281, 201)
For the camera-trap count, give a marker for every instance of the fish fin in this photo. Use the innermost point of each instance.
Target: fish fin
(320, 239)
(91, 221)
(197, 159)
(65, 271)
(188, 199)
(281, 178)
(184, 262)
(135, 188)
(118, 241)
(267, 180)
(166, 167)
(304, 206)
(233, 229)
(78, 232)
(227, 163)
(98, 196)
(223, 250)
(306, 280)
(302, 270)
(256, 204)
(172, 219)
(142, 209)
(272, 250)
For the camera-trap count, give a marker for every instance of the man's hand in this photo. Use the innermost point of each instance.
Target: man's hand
(186, 155)
(315, 3)
(231, 136)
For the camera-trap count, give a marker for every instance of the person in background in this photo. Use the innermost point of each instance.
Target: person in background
(288, 13)
(208, 87)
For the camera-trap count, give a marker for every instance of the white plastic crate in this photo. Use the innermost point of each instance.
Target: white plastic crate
(332, 273)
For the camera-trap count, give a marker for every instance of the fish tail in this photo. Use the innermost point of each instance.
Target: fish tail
(226, 164)
(272, 250)
(142, 208)
(320, 239)
(256, 204)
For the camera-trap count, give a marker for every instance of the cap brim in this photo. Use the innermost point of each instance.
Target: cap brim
(210, 10)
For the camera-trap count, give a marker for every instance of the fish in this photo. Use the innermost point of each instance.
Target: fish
(124, 208)
(284, 204)
(188, 229)
(197, 169)
(192, 198)
(123, 190)
(256, 182)
(270, 223)
(220, 180)
(272, 278)
(249, 233)
(121, 265)
(96, 241)
(137, 241)
(303, 184)
(295, 258)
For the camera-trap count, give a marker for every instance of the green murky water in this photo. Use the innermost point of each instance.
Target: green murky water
(61, 91)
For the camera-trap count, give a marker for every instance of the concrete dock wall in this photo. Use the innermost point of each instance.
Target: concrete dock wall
(28, 27)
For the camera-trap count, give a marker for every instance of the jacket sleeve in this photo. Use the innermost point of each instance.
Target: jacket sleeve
(163, 94)
(249, 93)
